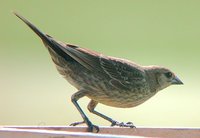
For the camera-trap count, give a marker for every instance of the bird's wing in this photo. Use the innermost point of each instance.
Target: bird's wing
(122, 74)
(87, 58)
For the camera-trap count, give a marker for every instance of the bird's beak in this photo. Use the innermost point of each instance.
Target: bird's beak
(177, 81)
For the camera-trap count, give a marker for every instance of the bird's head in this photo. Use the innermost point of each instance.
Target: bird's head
(163, 77)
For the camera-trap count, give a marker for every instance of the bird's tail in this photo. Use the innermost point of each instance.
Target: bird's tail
(49, 42)
(43, 36)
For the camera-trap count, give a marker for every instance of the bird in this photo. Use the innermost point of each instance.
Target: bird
(106, 80)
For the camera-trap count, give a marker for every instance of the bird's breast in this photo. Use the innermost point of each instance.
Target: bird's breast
(122, 99)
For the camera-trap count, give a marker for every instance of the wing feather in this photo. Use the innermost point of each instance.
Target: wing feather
(122, 74)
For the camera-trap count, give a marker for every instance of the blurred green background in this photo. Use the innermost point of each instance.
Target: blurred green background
(165, 33)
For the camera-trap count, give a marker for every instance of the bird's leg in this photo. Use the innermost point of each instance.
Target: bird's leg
(91, 106)
(75, 97)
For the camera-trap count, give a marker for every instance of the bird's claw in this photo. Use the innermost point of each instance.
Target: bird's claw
(91, 127)
(77, 123)
(122, 124)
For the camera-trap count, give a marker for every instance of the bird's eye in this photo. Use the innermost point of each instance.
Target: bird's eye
(168, 74)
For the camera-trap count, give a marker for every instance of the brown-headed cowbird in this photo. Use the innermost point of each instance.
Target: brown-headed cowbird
(107, 80)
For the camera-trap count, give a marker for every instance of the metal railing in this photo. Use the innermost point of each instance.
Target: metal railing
(105, 132)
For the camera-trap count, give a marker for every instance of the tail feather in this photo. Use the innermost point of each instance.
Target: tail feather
(35, 29)
(48, 40)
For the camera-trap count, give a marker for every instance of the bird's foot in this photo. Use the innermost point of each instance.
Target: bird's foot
(91, 127)
(122, 124)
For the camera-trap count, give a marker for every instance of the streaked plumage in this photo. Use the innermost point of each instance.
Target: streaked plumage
(108, 80)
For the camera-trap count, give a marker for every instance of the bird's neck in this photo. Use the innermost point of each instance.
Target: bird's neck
(152, 79)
